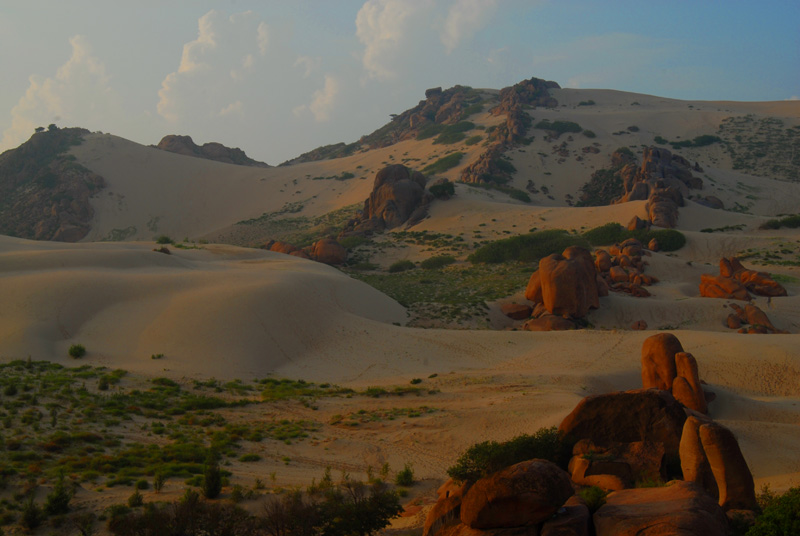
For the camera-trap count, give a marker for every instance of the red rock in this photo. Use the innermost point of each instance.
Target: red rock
(759, 283)
(533, 291)
(653, 245)
(686, 387)
(680, 508)
(628, 416)
(329, 251)
(526, 493)
(618, 274)
(757, 317)
(638, 291)
(568, 283)
(722, 287)
(637, 223)
(447, 510)
(281, 247)
(300, 253)
(733, 321)
(658, 361)
(730, 470)
(694, 463)
(602, 260)
(398, 196)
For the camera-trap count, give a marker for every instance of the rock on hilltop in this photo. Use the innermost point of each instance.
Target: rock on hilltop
(210, 151)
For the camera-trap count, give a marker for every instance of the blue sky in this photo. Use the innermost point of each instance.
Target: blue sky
(278, 78)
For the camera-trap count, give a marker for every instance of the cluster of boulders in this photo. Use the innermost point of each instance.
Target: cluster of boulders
(620, 439)
(750, 319)
(398, 198)
(735, 282)
(210, 151)
(563, 290)
(663, 179)
(622, 267)
(326, 250)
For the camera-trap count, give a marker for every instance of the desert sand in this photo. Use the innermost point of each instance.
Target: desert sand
(230, 312)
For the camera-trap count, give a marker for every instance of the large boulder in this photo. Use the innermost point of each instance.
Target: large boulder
(680, 508)
(516, 311)
(694, 463)
(526, 493)
(730, 470)
(566, 284)
(628, 416)
(398, 197)
(329, 251)
(722, 287)
(686, 387)
(573, 519)
(548, 322)
(658, 361)
(447, 510)
(736, 279)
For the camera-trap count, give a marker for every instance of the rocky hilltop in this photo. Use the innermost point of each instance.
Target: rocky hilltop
(44, 193)
(210, 151)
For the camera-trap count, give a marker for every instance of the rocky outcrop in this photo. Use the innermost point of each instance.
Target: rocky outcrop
(447, 510)
(566, 284)
(516, 311)
(524, 494)
(666, 366)
(44, 193)
(622, 268)
(735, 282)
(210, 151)
(680, 508)
(751, 316)
(398, 198)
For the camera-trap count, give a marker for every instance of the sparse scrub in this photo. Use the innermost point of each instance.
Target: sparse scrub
(559, 127)
(401, 266)
(443, 190)
(611, 233)
(594, 497)
(164, 239)
(792, 222)
(405, 477)
(527, 248)
(439, 261)
(76, 351)
(443, 164)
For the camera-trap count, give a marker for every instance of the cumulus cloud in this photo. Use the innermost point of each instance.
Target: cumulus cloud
(324, 99)
(78, 95)
(308, 64)
(199, 83)
(384, 27)
(464, 18)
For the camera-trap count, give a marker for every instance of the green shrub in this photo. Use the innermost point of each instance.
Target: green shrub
(471, 110)
(443, 164)
(443, 190)
(135, 499)
(429, 131)
(352, 241)
(781, 516)
(626, 151)
(401, 266)
(404, 477)
(57, 501)
(589, 102)
(589, 134)
(249, 457)
(436, 262)
(792, 222)
(77, 351)
(528, 247)
(484, 459)
(607, 234)
(164, 239)
(142, 484)
(559, 126)
(472, 140)
(31, 515)
(611, 233)
(668, 239)
(594, 497)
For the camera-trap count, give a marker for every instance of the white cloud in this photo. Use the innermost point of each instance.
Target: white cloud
(308, 64)
(794, 97)
(199, 85)
(78, 95)
(234, 108)
(385, 27)
(324, 99)
(464, 18)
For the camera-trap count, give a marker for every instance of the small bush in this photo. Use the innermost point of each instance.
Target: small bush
(415, 381)
(443, 190)
(611, 233)
(249, 457)
(781, 516)
(164, 239)
(472, 140)
(589, 102)
(559, 126)
(436, 262)
(212, 477)
(136, 499)
(77, 351)
(792, 222)
(352, 241)
(589, 134)
(484, 459)
(405, 477)
(57, 501)
(142, 484)
(401, 266)
(594, 496)
(31, 515)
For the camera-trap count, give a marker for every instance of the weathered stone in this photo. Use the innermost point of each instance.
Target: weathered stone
(548, 322)
(572, 519)
(733, 477)
(329, 251)
(516, 311)
(686, 387)
(694, 463)
(658, 360)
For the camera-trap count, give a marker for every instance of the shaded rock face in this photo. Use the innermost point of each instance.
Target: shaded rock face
(210, 151)
(621, 269)
(757, 319)
(681, 508)
(573, 519)
(446, 512)
(526, 493)
(617, 465)
(44, 193)
(566, 284)
(711, 457)
(728, 288)
(398, 197)
(516, 311)
(626, 417)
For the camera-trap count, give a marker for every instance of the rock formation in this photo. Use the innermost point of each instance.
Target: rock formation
(757, 319)
(328, 251)
(622, 268)
(735, 282)
(666, 366)
(210, 151)
(398, 197)
(565, 284)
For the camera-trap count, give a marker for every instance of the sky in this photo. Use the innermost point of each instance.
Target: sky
(277, 78)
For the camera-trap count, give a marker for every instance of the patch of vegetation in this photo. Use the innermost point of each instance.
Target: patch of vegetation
(603, 187)
(429, 131)
(698, 141)
(528, 247)
(443, 190)
(472, 109)
(792, 222)
(472, 140)
(404, 477)
(764, 146)
(513, 193)
(401, 266)
(439, 261)
(781, 515)
(453, 294)
(488, 457)
(737, 227)
(76, 351)
(559, 127)
(454, 133)
(589, 134)
(366, 416)
(164, 239)
(594, 497)
(443, 164)
(612, 233)
(589, 102)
